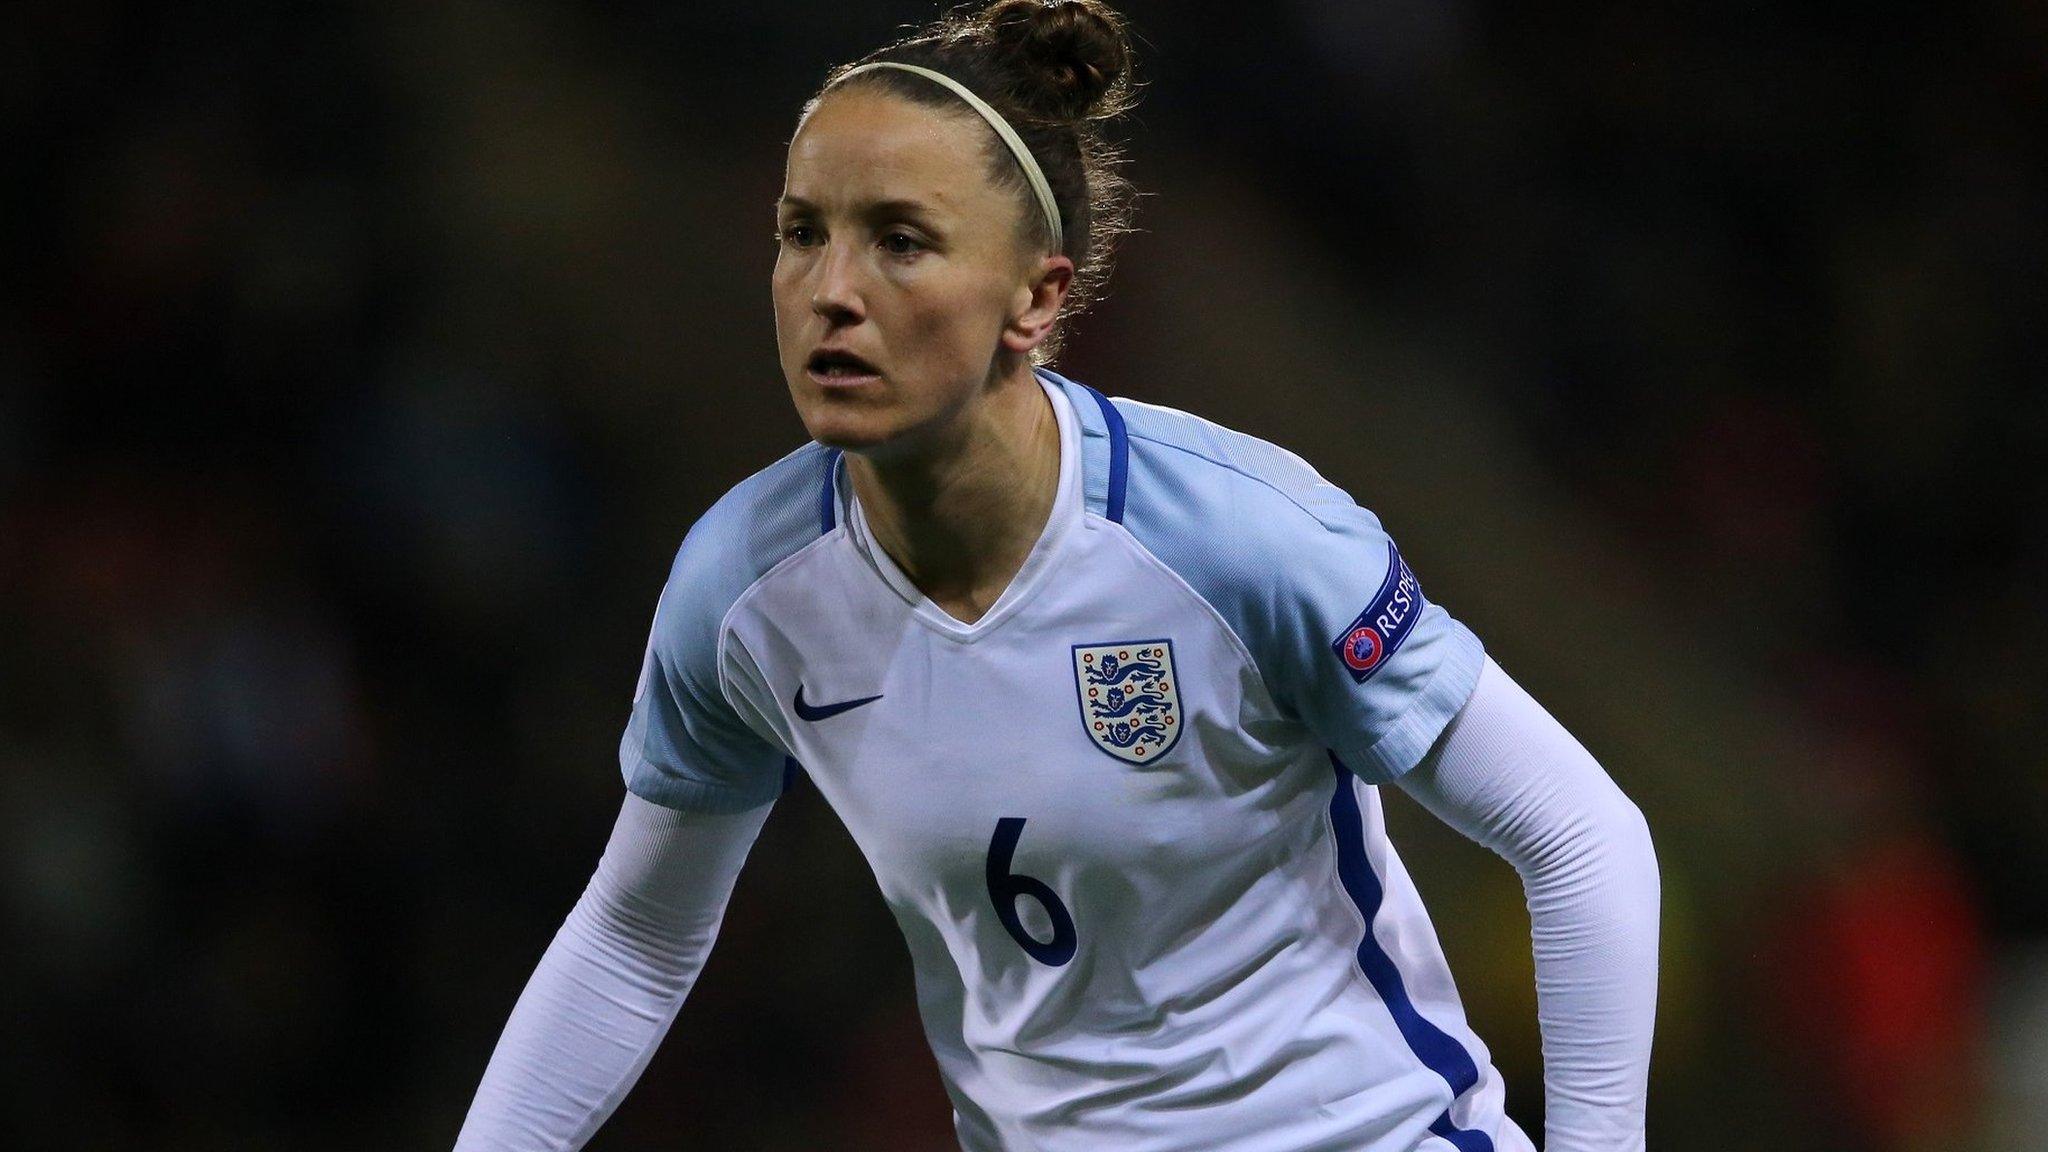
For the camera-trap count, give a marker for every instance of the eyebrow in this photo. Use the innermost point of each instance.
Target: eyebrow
(872, 208)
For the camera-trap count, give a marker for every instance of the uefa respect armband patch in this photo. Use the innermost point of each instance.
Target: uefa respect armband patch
(1370, 640)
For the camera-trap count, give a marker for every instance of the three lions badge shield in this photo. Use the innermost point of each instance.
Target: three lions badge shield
(1130, 698)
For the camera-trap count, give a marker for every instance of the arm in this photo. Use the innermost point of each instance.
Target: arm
(1510, 777)
(606, 989)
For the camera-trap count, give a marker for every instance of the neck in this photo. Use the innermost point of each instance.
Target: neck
(960, 516)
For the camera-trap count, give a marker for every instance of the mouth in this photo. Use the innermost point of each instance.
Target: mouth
(834, 369)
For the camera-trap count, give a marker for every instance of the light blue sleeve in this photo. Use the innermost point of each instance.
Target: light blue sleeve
(1321, 597)
(686, 747)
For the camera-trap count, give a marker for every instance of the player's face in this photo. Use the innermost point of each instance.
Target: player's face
(899, 252)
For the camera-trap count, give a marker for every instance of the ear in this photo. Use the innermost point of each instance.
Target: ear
(1036, 303)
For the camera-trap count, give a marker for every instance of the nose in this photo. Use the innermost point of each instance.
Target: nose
(835, 294)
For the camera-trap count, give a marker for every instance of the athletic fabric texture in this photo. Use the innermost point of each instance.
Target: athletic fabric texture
(1126, 820)
(1506, 774)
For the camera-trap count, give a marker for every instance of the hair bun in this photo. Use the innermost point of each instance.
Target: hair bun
(1073, 56)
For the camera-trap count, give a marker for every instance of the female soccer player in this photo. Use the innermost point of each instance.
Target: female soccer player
(1101, 690)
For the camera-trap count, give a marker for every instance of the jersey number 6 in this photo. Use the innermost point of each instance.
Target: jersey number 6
(1005, 886)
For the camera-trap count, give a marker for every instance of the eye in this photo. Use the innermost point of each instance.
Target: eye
(797, 235)
(900, 243)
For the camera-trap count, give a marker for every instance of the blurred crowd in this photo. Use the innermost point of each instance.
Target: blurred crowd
(362, 366)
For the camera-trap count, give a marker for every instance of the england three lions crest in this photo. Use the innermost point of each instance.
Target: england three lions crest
(1130, 698)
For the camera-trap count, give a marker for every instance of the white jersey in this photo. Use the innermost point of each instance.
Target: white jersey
(1126, 820)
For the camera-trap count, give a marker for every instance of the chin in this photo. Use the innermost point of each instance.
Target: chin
(871, 420)
(859, 441)
(847, 427)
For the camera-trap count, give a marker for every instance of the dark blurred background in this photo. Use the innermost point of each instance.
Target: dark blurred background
(361, 367)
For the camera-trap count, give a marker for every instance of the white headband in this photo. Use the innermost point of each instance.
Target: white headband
(1032, 172)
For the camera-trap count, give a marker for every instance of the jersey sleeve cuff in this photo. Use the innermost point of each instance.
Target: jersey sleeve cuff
(659, 786)
(1402, 746)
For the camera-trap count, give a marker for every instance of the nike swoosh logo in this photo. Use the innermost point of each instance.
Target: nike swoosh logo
(826, 711)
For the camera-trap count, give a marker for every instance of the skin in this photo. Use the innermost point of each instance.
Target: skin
(953, 450)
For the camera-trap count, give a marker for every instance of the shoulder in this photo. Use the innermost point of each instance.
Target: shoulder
(1240, 519)
(759, 522)
(1276, 550)
(1237, 482)
(1243, 521)
(1307, 579)
(687, 745)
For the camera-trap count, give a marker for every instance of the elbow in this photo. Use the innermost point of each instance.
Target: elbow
(1623, 833)
(1642, 847)
(1633, 856)
(1602, 890)
(1607, 849)
(1621, 843)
